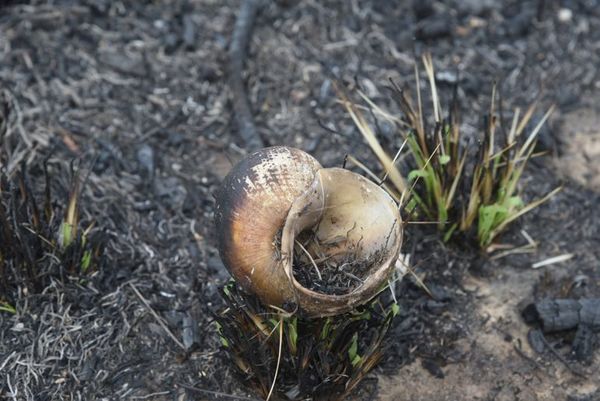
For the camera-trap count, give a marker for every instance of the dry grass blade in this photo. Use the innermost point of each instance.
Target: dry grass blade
(159, 320)
(278, 359)
(553, 260)
(371, 139)
(312, 261)
(420, 282)
(530, 140)
(455, 182)
(369, 135)
(379, 111)
(395, 159)
(364, 168)
(428, 63)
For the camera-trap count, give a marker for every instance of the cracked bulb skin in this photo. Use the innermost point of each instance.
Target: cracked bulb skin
(276, 193)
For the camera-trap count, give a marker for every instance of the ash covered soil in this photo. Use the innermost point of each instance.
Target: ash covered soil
(136, 90)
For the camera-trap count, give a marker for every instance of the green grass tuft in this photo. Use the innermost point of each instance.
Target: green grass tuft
(433, 187)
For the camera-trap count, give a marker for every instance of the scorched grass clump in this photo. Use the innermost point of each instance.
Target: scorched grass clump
(435, 185)
(41, 239)
(286, 356)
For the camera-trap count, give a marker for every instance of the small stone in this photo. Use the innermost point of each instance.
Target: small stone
(448, 77)
(505, 394)
(325, 91)
(298, 95)
(369, 88)
(311, 144)
(565, 15)
(18, 327)
(145, 157)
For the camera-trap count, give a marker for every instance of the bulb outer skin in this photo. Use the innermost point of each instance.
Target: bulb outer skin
(251, 208)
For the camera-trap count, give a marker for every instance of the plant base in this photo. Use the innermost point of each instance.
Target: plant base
(292, 357)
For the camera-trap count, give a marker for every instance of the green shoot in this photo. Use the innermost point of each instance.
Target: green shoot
(29, 233)
(68, 229)
(6, 307)
(355, 358)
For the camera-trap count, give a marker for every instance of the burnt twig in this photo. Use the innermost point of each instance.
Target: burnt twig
(238, 51)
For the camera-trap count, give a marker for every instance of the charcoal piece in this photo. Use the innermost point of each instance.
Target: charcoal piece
(405, 325)
(554, 314)
(583, 344)
(535, 337)
(171, 41)
(564, 314)
(530, 315)
(590, 313)
(435, 27)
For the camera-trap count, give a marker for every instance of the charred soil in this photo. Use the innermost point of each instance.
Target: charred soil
(137, 92)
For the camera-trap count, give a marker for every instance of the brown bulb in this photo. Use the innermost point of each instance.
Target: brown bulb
(277, 194)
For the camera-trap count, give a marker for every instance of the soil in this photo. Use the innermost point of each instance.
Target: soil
(334, 279)
(137, 91)
(332, 275)
(581, 147)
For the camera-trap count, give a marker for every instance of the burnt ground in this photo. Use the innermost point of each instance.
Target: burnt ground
(140, 87)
